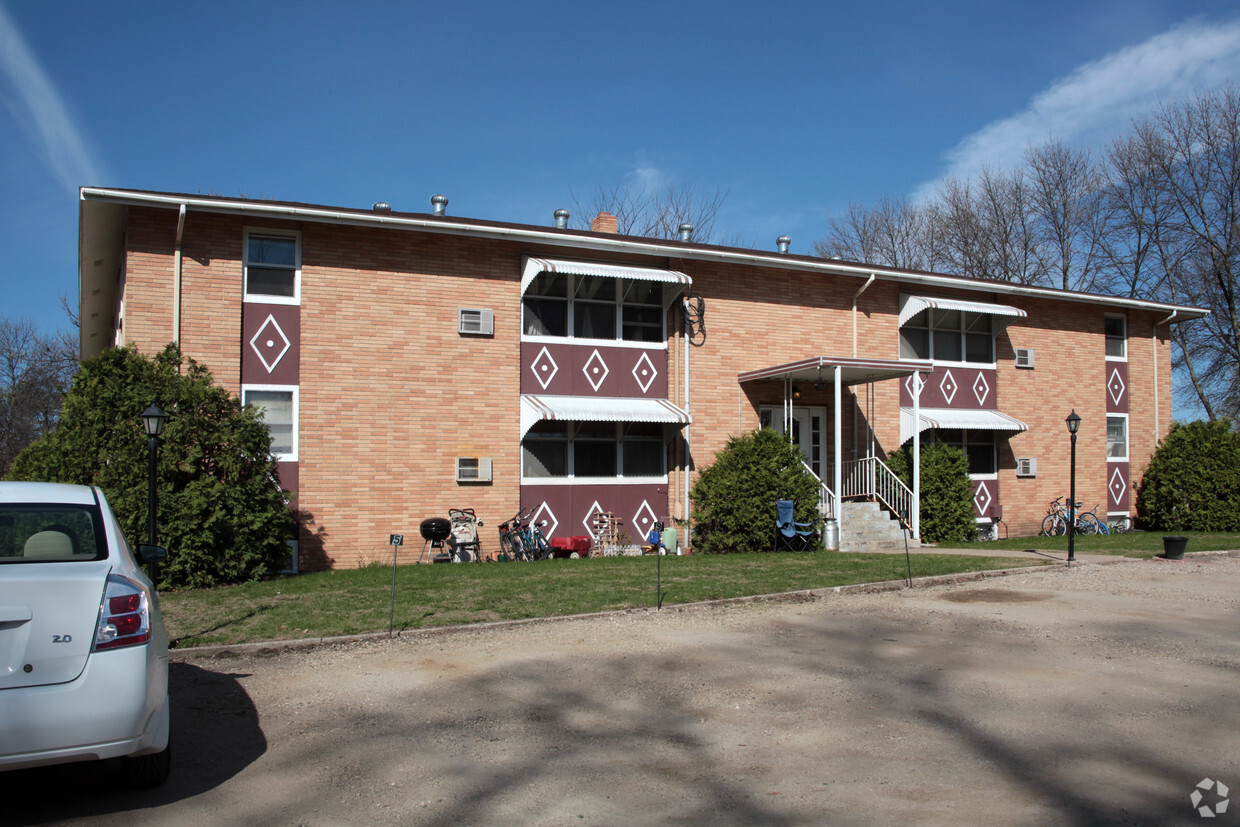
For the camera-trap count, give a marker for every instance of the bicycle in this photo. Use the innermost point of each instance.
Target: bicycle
(1055, 524)
(522, 539)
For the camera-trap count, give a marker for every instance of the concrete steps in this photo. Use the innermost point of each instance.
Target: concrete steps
(867, 526)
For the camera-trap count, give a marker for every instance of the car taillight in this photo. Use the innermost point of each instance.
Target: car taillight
(124, 616)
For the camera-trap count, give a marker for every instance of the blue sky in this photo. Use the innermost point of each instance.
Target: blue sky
(796, 109)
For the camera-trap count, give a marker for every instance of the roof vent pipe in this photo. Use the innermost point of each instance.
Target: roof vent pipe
(686, 232)
(381, 206)
(439, 204)
(561, 219)
(782, 243)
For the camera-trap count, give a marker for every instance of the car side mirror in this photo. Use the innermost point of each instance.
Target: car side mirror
(152, 554)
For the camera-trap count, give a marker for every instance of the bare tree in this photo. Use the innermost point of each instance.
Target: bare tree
(1065, 194)
(35, 371)
(896, 233)
(655, 212)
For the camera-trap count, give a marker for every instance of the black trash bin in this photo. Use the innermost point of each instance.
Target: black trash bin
(1173, 547)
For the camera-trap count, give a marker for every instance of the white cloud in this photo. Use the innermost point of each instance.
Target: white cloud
(35, 104)
(1098, 100)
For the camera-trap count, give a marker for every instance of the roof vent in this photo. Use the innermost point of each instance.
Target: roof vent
(686, 231)
(561, 219)
(439, 204)
(782, 243)
(381, 206)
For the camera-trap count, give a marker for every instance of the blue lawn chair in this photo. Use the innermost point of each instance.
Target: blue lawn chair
(791, 535)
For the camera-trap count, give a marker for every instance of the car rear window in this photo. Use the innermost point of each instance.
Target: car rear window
(50, 533)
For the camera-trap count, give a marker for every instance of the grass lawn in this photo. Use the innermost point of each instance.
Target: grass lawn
(1130, 543)
(356, 601)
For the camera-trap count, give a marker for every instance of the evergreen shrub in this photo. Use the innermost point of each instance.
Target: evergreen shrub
(946, 490)
(1193, 480)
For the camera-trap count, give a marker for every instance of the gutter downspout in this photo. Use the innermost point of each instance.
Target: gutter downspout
(176, 279)
(1154, 345)
(688, 532)
(857, 295)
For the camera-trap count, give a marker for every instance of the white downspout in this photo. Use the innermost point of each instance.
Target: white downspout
(688, 529)
(176, 279)
(857, 295)
(1154, 346)
(916, 515)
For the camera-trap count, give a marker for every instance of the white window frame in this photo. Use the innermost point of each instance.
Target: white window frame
(1127, 438)
(963, 330)
(572, 302)
(266, 298)
(296, 392)
(571, 477)
(1107, 339)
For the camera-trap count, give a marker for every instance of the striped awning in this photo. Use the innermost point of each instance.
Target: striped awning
(967, 420)
(910, 306)
(534, 266)
(599, 409)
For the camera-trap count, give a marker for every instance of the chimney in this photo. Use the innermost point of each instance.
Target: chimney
(439, 204)
(561, 219)
(604, 222)
(782, 243)
(686, 231)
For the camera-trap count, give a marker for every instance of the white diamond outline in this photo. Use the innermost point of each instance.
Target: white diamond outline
(585, 369)
(947, 377)
(588, 522)
(981, 489)
(1117, 477)
(1116, 379)
(985, 392)
(645, 506)
(258, 334)
(908, 384)
(548, 533)
(555, 368)
(654, 373)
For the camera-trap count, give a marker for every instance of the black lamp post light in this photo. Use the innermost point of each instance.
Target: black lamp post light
(1074, 423)
(153, 420)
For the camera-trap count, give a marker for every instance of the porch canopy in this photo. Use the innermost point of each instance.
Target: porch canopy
(976, 420)
(534, 266)
(599, 409)
(910, 306)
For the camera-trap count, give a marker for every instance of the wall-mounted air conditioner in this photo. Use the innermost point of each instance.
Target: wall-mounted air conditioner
(1024, 357)
(476, 321)
(1026, 467)
(473, 469)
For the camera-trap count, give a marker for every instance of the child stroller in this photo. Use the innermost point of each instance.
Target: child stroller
(463, 539)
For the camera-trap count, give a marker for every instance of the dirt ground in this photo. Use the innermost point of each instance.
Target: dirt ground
(1095, 694)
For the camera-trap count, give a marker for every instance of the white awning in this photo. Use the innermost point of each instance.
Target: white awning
(910, 306)
(599, 409)
(534, 266)
(958, 418)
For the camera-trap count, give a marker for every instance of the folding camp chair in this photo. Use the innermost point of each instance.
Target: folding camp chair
(789, 534)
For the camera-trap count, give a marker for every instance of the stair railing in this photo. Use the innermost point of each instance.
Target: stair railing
(826, 500)
(871, 478)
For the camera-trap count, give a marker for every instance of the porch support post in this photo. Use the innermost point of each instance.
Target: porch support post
(916, 515)
(838, 488)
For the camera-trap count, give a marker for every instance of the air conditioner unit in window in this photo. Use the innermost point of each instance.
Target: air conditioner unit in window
(473, 469)
(1024, 357)
(478, 321)
(1026, 467)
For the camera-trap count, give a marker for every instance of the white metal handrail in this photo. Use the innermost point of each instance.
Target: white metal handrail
(826, 500)
(870, 477)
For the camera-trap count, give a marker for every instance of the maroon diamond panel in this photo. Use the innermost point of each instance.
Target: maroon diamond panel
(953, 387)
(593, 370)
(1119, 482)
(566, 510)
(270, 344)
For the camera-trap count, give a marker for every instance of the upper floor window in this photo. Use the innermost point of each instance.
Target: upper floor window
(949, 336)
(272, 268)
(594, 449)
(1116, 328)
(594, 307)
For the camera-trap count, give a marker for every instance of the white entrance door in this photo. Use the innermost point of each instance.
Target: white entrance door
(807, 431)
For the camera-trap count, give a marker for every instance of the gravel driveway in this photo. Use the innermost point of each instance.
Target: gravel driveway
(1096, 694)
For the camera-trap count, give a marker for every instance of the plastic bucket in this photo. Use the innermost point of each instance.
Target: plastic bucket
(1173, 547)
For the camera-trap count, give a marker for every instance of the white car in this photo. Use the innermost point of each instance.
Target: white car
(83, 651)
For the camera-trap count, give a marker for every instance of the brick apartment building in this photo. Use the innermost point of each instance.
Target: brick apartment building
(412, 363)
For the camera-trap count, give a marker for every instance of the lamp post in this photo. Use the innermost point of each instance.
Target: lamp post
(1074, 422)
(153, 420)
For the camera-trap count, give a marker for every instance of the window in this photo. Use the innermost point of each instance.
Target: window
(32, 533)
(978, 447)
(949, 336)
(594, 307)
(278, 411)
(1117, 437)
(1116, 328)
(272, 268)
(594, 449)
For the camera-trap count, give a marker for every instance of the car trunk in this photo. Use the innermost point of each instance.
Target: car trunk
(48, 614)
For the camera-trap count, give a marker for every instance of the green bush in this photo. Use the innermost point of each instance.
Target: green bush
(734, 498)
(221, 513)
(946, 490)
(1193, 480)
